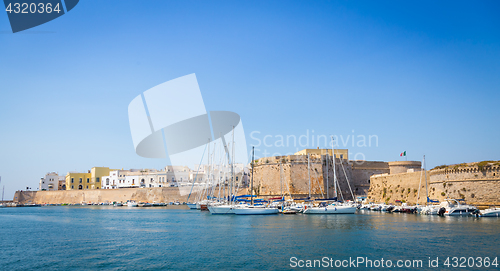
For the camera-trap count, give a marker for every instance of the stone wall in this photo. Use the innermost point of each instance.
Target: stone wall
(403, 166)
(101, 195)
(362, 171)
(294, 177)
(403, 186)
(478, 186)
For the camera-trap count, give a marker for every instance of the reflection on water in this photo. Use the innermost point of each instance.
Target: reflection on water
(164, 238)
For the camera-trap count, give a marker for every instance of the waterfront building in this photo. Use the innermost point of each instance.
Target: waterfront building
(52, 182)
(90, 180)
(77, 180)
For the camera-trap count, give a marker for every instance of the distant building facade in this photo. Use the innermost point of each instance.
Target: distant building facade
(52, 182)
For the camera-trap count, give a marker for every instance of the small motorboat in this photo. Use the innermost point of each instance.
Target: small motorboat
(490, 212)
(132, 204)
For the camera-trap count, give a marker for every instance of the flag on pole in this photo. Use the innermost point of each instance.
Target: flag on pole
(403, 153)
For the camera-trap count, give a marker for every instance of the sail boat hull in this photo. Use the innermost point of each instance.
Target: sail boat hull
(221, 209)
(252, 210)
(330, 209)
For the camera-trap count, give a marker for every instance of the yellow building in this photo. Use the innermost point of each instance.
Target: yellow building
(77, 181)
(90, 180)
(97, 173)
(339, 153)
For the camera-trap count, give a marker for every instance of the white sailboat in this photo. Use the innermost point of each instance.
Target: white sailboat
(252, 209)
(428, 209)
(335, 207)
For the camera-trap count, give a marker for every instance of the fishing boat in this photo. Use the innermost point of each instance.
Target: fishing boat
(191, 205)
(490, 212)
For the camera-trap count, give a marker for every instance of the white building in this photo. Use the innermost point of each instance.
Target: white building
(170, 176)
(50, 182)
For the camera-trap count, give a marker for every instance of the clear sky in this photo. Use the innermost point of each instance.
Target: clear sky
(422, 77)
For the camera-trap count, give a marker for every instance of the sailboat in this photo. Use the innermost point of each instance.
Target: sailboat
(428, 209)
(335, 207)
(226, 206)
(254, 209)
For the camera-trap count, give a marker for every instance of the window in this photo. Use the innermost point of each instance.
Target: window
(80, 180)
(97, 179)
(72, 180)
(107, 181)
(72, 187)
(88, 180)
(87, 187)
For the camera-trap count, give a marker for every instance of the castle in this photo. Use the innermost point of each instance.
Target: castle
(291, 174)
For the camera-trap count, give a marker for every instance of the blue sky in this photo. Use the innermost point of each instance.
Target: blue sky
(421, 76)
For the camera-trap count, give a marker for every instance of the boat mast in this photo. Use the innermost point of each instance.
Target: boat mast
(420, 184)
(426, 191)
(309, 175)
(334, 173)
(233, 179)
(251, 185)
(327, 166)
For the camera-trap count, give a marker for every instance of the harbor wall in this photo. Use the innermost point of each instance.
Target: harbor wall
(157, 194)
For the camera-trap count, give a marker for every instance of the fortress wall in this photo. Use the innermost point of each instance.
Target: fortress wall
(361, 173)
(464, 173)
(477, 186)
(295, 176)
(402, 186)
(293, 179)
(397, 167)
(480, 188)
(100, 195)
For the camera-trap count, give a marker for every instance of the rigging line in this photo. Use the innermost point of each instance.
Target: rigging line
(348, 183)
(197, 171)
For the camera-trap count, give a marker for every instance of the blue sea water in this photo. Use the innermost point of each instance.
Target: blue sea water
(166, 238)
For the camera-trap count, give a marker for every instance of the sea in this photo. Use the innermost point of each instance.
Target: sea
(176, 238)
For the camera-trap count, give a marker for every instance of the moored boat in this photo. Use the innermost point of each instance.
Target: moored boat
(255, 210)
(456, 207)
(132, 204)
(490, 212)
(331, 209)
